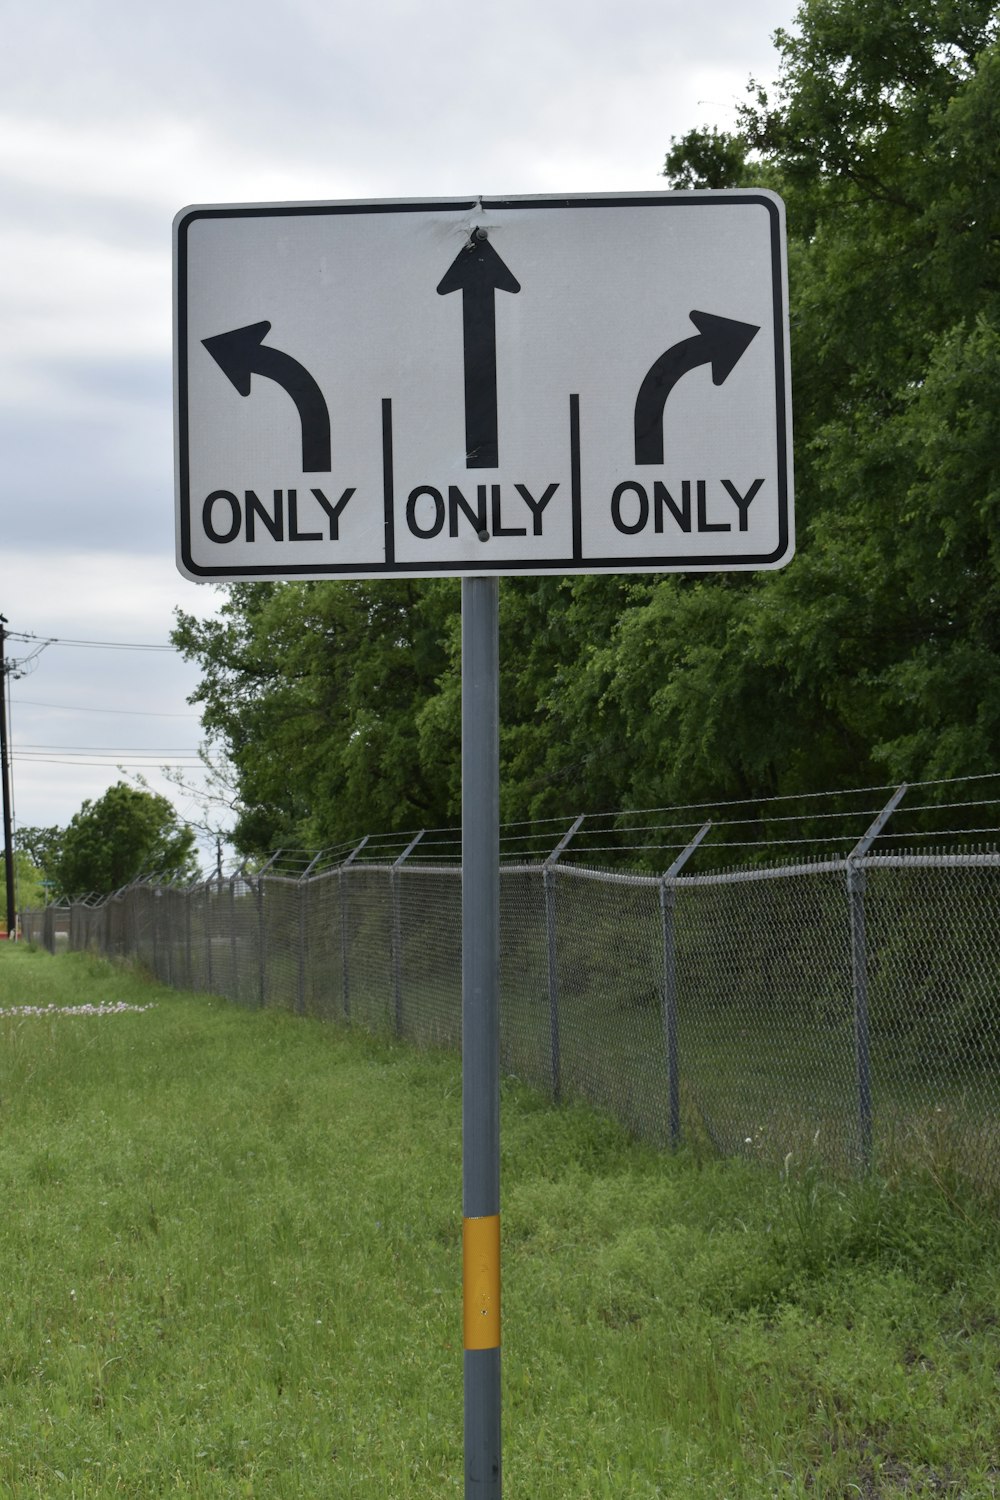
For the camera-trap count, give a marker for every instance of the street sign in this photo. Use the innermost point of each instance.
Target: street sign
(483, 386)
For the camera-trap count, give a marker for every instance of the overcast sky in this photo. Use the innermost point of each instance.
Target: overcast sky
(113, 115)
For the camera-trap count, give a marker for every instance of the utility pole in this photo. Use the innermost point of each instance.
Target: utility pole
(8, 837)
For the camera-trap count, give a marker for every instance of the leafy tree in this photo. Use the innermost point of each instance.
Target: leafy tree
(42, 847)
(124, 834)
(707, 159)
(338, 705)
(875, 655)
(28, 888)
(316, 691)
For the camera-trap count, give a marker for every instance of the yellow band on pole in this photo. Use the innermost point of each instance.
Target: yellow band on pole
(481, 1282)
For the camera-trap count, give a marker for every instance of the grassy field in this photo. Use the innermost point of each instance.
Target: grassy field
(230, 1266)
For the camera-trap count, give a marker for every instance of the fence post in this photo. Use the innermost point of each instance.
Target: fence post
(859, 973)
(345, 941)
(301, 892)
(168, 913)
(234, 983)
(261, 930)
(303, 967)
(345, 994)
(668, 898)
(208, 936)
(261, 947)
(188, 956)
(155, 924)
(549, 882)
(397, 930)
(155, 905)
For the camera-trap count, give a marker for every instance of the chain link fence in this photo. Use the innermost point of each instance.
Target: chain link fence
(843, 1011)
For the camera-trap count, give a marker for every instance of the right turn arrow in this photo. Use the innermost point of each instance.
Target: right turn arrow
(720, 342)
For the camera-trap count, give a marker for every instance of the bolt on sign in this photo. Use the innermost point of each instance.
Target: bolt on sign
(483, 386)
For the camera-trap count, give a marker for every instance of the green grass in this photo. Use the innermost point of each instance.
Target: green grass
(230, 1266)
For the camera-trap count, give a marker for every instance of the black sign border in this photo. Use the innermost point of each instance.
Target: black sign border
(527, 567)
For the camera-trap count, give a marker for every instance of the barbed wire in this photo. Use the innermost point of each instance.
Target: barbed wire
(647, 835)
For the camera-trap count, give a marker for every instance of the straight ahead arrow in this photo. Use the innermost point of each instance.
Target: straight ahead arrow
(241, 354)
(719, 342)
(478, 273)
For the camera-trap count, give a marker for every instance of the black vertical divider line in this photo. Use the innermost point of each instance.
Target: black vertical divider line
(387, 482)
(574, 462)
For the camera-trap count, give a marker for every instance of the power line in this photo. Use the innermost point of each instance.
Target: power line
(55, 640)
(183, 750)
(81, 708)
(112, 758)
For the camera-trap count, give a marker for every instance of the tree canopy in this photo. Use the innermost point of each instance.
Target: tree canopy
(41, 846)
(126, 833)
(28, 888)
(874, 655)
(881, 136)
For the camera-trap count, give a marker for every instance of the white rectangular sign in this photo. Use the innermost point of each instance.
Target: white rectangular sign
(477, 386)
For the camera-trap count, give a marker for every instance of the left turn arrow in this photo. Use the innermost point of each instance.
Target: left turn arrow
(241, 354)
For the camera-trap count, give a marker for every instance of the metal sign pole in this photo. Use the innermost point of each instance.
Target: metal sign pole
(389, 506)
(481, 1034)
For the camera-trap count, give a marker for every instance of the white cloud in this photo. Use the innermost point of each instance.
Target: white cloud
(115, 115)
(71, 297)
(89, 696)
